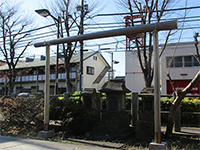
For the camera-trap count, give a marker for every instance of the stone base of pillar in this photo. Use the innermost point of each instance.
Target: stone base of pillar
(46, 134)
(158, 146)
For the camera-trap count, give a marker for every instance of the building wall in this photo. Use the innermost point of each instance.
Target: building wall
(98, 64)
(134, 77)
(177, 73)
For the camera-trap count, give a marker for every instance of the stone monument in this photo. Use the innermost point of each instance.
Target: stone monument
(145, 124)
(114, 122)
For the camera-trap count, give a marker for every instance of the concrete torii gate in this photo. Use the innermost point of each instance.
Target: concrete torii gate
(154, 27)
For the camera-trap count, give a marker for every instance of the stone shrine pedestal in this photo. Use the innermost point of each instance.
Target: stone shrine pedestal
(145, 123)
(114, 122)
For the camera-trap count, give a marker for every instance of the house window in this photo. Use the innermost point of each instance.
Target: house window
(188, 61)
(95, 58)
(182, 61)
(73, 69)
(169, 62)
(90, 70)
(196, 63)
(178, 62)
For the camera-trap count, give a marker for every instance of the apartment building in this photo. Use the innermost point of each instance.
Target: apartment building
(31, 73)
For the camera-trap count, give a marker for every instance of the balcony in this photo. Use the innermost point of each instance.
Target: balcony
(31, 78)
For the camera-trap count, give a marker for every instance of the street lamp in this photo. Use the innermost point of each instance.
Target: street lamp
(45, 13)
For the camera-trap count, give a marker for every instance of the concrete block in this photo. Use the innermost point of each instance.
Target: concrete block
(46, 134)
(158, 146)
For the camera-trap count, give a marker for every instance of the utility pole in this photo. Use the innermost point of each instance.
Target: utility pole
(81, 8)
(112, 73)
(81, 50)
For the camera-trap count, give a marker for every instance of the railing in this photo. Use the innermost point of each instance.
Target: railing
(29, 78)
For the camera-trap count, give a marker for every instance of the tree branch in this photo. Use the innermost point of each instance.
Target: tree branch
(166, 40)
(21, 53)
(22, 37)
(139, 57)
(196, 45)
(194, 81)
(172, 84)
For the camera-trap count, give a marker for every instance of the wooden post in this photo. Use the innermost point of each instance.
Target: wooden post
(134, 108)
(47, 86)
(157, 113)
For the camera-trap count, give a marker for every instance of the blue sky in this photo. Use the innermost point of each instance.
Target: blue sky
(29, 7)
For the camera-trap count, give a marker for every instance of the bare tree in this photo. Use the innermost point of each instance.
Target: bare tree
(70, 18)
(12, 26)
(180, 94)
(149, 11)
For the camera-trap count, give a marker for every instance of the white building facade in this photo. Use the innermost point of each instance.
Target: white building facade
(183, 68)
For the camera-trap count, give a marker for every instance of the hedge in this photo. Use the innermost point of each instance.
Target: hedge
(187, 105)
(24, 113)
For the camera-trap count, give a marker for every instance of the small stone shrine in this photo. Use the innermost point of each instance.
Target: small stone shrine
(145, 124)
(114, 122)
(90, 99)
(91, 103)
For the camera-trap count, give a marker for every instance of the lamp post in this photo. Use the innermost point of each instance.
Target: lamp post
(113, 62)
(111, 72)
(45, 13)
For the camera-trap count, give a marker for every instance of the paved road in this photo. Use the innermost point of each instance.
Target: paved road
(13, 143)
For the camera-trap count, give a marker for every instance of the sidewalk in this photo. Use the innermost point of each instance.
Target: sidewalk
(13, 143)
(191, 131)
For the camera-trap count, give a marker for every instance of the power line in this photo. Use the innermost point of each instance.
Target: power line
(98, 27)
(20, 45)
(117, 14)
(32, 30)
(33, 37)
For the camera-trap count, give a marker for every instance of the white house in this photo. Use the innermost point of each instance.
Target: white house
(183, 68)
(31, 75)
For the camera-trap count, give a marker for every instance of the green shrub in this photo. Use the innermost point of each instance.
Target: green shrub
(75, 118)
(128, 102)
(76, 98)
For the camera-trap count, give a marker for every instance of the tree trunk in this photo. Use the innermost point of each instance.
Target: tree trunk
(177, 100)
(148, 81)
(68, 83)
(170, 120)
(67, 72)
(11, 85)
